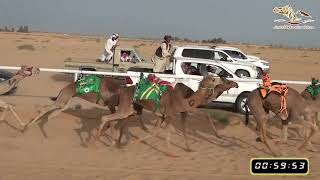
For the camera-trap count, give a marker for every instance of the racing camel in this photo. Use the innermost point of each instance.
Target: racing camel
(171, 102)
(311, 92)
(287, 104)
(12, 83)
(107, 94)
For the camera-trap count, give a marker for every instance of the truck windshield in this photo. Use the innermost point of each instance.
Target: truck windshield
(139, 55)
(235, 54)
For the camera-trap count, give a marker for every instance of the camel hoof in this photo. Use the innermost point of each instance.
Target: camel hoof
(83, 145)
(24, 129)
(279, 141)
(278, 155)
(258, 139)
(312, 149)
(135, 141)
(118, 146)
(145, 129)
(189, 150)
(172, 155)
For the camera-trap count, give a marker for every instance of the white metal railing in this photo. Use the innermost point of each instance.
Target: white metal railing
(76, 72)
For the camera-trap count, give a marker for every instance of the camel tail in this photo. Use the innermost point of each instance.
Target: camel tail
(247, 114)
(55, 98)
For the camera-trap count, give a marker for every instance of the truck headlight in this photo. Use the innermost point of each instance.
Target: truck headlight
(265, 64)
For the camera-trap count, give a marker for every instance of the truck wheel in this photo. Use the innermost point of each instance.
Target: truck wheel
(240, 103)
(259, 73)
(242, 73)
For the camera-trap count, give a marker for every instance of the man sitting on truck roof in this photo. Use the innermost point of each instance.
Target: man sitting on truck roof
(109, 47)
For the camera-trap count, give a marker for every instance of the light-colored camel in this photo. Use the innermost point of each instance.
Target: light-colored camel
(172, 102)
(12, 83)
(297, 109)
(109, 96)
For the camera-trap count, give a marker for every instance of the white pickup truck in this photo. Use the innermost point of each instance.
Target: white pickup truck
(201, 67)
(203, 52)
(238, 56)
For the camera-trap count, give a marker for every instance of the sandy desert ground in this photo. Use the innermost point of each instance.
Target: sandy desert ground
(63, 155)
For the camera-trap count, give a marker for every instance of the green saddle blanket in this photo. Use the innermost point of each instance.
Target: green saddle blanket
(314, 90)
(88, 84)
(146, 90)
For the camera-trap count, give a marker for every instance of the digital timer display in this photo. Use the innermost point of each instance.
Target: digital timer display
(279, 166)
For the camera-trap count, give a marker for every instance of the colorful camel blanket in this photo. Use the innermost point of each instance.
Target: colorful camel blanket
(314, 90)
(275, 87)
(151, 88)
(88, 84)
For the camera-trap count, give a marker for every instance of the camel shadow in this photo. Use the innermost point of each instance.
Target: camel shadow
(63, 77)
(11, 126)
(89, 121)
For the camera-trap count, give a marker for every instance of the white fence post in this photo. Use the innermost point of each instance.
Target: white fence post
(75, 77)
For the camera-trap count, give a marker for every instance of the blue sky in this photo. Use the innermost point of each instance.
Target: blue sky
(234, 20)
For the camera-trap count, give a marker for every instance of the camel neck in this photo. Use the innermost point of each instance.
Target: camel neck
(10, 84)
(195, 100)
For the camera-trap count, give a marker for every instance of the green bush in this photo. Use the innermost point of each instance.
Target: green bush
(27, 47)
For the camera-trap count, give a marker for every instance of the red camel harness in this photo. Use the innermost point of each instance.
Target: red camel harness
(277, 88)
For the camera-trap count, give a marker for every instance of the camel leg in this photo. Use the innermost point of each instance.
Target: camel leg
(314, 129)
(112, 108)
(139, 110)
(43, 112)
(184, 127)
(262, 126)
(112, 117)
(123, 126)
(284, 135)
(16, 116)
(3, 114)
(155, 132)
(169, 128)
(213, 125)
(143, 126)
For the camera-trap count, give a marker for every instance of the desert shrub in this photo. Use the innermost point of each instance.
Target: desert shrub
(27, 47)
(215, 41)
(139, 45)
(24, 29)
(221, 117)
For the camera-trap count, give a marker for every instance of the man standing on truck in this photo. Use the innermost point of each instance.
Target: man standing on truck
(161, 58)
(109, 47)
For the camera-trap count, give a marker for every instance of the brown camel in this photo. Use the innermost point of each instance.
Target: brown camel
(12, 83)
(296, 108)
(178, 100)
(308, 96)
(312, 97)
(109, 96)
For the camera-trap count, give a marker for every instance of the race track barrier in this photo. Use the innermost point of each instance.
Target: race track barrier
(77, 72)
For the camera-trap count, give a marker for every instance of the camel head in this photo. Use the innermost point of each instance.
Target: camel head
(25, 71)
(216, 86)
(224, 85)
(314, 81)
(28, 71)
